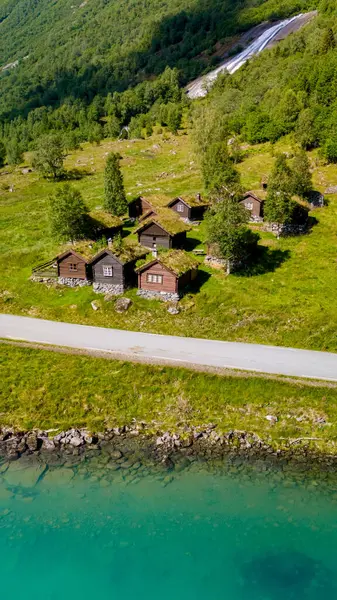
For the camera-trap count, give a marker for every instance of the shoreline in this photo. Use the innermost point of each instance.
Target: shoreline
(131, 443)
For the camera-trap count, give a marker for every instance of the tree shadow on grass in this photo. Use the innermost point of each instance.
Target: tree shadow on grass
(191, 243)
(76, 174)
(265, 260)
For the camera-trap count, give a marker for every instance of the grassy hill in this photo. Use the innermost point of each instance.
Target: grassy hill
(287, 299)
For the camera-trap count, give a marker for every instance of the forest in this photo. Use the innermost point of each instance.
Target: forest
(87, 78)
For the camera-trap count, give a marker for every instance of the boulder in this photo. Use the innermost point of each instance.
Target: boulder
(48, 444)
(173, 309)
(94, 305)
(122, 305)
(32, 442)
(23, 475)
(272, 418)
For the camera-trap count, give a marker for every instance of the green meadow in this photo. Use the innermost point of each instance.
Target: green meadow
(45, 390)
(288, 297)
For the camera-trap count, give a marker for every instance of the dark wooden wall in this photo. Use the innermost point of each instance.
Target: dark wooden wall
(257, 210)
(117, 273)
(146, 237)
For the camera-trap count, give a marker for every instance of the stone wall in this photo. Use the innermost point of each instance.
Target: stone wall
(108, 288)
(73, 282)
(284, 230)
(153, 295)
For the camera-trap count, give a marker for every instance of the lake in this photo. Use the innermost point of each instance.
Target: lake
(203, 532)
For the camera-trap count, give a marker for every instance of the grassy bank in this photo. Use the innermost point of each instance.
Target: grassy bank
(287, 299)
(45, 390)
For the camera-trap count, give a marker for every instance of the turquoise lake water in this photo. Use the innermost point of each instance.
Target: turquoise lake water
(205, 535)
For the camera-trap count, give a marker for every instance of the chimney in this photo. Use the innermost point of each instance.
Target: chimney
(109, 243)
(154, 251)
(198, 197)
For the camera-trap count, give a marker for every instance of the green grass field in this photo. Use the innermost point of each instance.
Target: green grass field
(44, 389)
(288, 299)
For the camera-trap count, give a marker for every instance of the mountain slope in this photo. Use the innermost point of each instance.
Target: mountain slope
(78, 49)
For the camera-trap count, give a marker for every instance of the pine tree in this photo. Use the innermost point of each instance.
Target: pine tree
(2, 154)
(68, 214)
(226, 228)
(217, 168)
(302, 179)
(115, 199)
(328, 40)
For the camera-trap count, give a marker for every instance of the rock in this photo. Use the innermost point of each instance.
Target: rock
(60, 476)
(48, 444)
(116, 454)
(173, 309)
(168, 463)
(24, 475)
(32, 442)
(271, 418)
(122, 305)
(94, 305)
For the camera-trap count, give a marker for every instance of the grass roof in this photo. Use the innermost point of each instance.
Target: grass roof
(86, 248)
(177, 261)
(128, 251)
(158, 200)
(261, 194)
(193, 200)
(105, 219)
(168, 220)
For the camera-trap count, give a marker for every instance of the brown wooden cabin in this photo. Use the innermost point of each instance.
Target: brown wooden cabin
(254, 203)
(191, 209)
(169, 273)
(164, 230)
(138, 207)
(117, 269)
(72, 265)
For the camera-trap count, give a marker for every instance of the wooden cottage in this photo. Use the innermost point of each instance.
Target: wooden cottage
(163, 230)
(189, 208)
(166, 275)
(138, 207)
(73, 268)
(102, 224)
(113, 269)
(254, 202)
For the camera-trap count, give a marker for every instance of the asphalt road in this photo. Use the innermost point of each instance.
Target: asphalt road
(154, 348)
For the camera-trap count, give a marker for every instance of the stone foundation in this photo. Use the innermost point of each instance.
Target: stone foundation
(108, 288)
(73, 282)
(164, 296)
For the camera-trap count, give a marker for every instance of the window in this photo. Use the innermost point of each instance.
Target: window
(249, 205)
(72, 267)
(180, 207)
(107, 270)
(151, 278)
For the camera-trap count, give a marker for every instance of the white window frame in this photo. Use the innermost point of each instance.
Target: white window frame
(249, 205)
(107, 270)
(154, 278)
(180, 207)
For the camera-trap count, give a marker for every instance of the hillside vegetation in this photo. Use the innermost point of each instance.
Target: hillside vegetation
(78, 52)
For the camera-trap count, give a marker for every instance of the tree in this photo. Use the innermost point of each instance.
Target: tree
(226, 228)
(217, 168)
(302, 179)
(68, 214)
(49, 157)
(306, 130)
(14, 152)
(279, 207)
(174, 116)
(281, 178)
(115, 199)
(328, 40)
(329, 150)
(95, 133)
(2, 154)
